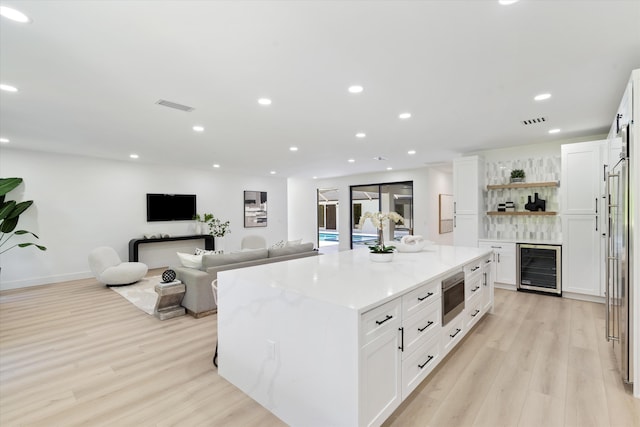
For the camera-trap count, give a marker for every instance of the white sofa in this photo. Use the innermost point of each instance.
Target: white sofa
(198, 298)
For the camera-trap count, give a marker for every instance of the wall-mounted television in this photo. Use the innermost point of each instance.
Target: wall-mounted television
(171, 207)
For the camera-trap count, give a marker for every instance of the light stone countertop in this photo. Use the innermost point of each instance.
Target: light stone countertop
(349, 279)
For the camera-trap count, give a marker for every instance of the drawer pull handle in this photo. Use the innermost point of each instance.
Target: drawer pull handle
(475, 313)
(487, 261)
(425, 297)
(458, 330)
(475, 268)
(401, 348)
(380, 322)
(428, 324)
(426, 363)
(496, 247)
(475, 289)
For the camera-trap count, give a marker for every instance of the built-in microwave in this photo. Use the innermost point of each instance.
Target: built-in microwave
(452, 297)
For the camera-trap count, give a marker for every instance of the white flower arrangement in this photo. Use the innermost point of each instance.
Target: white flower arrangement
(379, 221)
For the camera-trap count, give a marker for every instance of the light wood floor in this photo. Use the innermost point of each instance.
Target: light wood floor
(78, 354)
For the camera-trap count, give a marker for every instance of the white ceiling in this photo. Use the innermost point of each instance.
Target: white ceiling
(89, 74)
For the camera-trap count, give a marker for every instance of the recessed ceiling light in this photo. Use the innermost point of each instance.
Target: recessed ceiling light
(14, 15)
(134, 156)
(361, 135)
(272, 172)
(315, 177)
(293, 148)
(4, 140)
(411, 152)
(355, 89)
(198, 128)
(264, 101)
(554, 130)
(389, 168)
(8, 88)
(542, 96)
(507, 2)
(404, 116)
(351, 160)
(215, 165)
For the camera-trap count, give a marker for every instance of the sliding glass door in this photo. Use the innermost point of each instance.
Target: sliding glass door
(388, 197)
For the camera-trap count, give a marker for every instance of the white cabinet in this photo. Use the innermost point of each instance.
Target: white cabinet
(504, 261)
(581, 178)
(381, 379)
(581, 255)
(468, 180)
(466, 230)
(381, 362)
(583, 216)
(466, 185)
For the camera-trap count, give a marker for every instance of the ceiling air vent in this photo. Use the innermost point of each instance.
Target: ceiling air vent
(534, 121)
(175, 105)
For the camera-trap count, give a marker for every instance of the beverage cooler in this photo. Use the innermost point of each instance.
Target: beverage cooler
(539, 268)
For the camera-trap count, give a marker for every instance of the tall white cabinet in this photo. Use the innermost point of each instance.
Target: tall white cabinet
(468, 180)
(582, 210)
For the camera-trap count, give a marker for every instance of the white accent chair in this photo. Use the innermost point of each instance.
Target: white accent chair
(253, 242)
(109, 269)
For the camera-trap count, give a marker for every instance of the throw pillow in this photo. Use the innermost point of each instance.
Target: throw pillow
(294, 242)
(205, 252)
(277, 245)
(191, 261)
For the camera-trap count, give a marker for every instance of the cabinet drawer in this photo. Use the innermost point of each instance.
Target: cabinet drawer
(420, 327)
(419, 298)
(473, 285)
(473, 313)
(473, 268)
(452, 333)
(379, 320)
(419, 364)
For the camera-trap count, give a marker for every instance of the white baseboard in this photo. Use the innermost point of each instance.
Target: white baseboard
(17, 284)
(570, 295)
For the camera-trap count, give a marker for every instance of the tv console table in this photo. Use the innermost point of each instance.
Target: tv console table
(134, 243)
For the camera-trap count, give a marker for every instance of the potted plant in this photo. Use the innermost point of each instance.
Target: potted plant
(201, 222)
(380, 252)
(217, 228)
(517, 175)
(10, 212)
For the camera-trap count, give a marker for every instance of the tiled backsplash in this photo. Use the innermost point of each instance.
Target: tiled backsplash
(523, 227)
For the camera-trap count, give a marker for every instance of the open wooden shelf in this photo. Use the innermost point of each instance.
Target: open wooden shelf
(541, 213)
(523, 185)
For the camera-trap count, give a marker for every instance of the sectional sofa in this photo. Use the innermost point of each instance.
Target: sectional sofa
(198, 298)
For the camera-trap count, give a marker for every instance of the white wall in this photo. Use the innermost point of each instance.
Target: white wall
(427, 184)
(439, 182)
(82, 202)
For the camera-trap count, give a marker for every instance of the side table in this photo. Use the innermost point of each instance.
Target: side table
(169, 298)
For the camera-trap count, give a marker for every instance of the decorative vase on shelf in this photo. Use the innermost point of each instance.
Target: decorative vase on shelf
(381, 256)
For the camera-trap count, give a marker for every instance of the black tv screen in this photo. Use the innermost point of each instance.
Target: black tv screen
(171, 207)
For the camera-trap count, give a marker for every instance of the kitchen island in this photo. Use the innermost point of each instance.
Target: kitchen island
(339, 340)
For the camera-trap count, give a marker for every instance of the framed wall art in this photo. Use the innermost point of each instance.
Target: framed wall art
(255, 209)
(446, 213)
